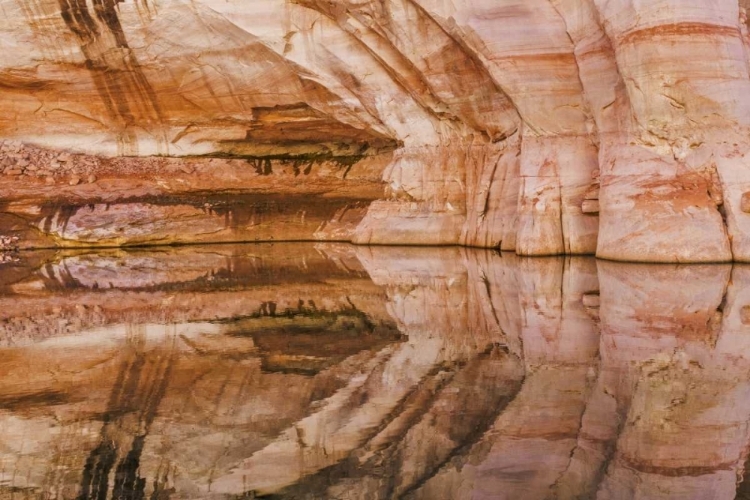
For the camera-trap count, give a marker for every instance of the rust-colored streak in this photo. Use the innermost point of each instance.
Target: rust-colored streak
(76, 15)
(22, 80)
(559, 58)
(124, 89)
(686, 29)
(676, 470)
(600, 50)
(137, 393)
(45, 25)
(105, 11)
(113, 83)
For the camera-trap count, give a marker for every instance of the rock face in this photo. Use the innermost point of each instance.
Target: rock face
(322, 371)
(541, 126)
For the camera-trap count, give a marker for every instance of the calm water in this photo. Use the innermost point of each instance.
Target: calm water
(305, 371)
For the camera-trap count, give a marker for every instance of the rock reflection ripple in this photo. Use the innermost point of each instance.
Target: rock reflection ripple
(324, 371)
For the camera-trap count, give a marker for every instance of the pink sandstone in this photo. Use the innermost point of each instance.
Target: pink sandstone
(475, 376)
(614, 127)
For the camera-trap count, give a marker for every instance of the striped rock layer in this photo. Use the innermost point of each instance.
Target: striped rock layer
(615, 127)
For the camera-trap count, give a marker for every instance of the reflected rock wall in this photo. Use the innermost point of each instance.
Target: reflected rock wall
(332, 371)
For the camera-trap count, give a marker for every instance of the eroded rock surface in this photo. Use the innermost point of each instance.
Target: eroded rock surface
(321, 371)
(541, 126)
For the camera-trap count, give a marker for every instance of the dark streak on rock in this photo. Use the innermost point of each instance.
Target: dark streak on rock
(137, 390)
(386, 464)
(20, 401)
(115, 83)
(743, 486)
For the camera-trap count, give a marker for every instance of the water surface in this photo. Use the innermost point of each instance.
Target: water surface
(320, 371)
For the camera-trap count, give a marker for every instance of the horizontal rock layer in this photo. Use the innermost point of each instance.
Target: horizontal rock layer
(541, 126)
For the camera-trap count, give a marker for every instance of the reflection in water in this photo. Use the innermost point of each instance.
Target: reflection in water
(303, 371)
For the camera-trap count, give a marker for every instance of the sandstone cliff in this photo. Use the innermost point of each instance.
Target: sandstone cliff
(541, 126)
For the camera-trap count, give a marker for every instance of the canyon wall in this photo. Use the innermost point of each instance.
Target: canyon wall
(613, 127)
(325, 371)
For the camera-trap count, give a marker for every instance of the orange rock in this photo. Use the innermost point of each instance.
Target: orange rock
(495, 116)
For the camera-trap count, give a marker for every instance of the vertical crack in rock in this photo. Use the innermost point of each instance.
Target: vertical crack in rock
(584, 97)
(610, 451)
(716, 193)
(486, 204)
(554, 495)
(487, 288)
(564, 231)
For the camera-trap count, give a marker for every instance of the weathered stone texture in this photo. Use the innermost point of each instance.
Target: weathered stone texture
(495, 120)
